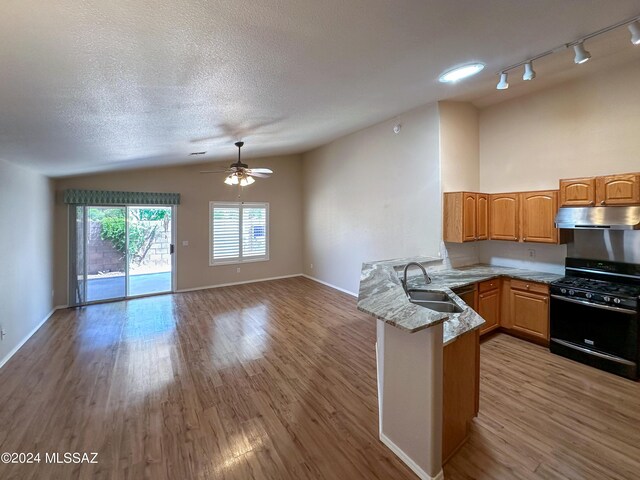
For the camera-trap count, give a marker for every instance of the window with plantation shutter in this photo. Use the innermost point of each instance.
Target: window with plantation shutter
(239, 232)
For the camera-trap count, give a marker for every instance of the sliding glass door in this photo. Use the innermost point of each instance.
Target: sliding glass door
(150, 250)
(119, 252)
(105, 253)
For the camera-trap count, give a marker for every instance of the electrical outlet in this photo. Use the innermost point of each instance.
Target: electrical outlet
(238, 270)
(3, 333)
(311, 266)
(185, 243)
(532, 254)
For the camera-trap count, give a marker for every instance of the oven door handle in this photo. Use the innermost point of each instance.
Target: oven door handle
(613, 358)
(595, 305)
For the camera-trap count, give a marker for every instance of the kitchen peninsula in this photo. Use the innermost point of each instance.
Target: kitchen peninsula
(427, 361)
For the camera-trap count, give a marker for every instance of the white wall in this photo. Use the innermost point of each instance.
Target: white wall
(372, 195)
(580, 128)
(26, 263)
(460, 167)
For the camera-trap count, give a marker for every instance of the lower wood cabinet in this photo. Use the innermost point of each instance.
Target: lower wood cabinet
(461, 391)
(489, 304)
(529, 309)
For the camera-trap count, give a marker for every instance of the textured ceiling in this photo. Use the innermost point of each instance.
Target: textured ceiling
(94, 85)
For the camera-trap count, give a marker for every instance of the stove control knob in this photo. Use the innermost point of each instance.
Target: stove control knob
(606, 298)
(571, 292)
(616, 300)
(563, 290)
(588, 295)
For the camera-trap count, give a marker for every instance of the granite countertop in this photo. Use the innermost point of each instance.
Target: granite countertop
(382, 296)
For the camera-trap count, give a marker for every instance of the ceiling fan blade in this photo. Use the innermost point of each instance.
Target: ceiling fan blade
(261, 170)
(223, 170)
(258, 174)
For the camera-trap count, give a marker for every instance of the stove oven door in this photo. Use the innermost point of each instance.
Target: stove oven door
(598, 335)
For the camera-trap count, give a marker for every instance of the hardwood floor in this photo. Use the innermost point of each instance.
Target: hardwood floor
(546, 417)
(277, 380)
(272, 380)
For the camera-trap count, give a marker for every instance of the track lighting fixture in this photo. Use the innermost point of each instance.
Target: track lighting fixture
(529, 73)
(503, 84)
(582, 55)
(634, 28)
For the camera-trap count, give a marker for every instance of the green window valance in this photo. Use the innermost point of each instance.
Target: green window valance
(105, 197)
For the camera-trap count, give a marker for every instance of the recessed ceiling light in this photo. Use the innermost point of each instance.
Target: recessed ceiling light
(458, 73)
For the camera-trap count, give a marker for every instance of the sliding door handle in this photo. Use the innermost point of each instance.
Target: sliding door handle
(171, 248)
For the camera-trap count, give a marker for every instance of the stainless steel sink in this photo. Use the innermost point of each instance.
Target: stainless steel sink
(423, 295)
(445, 307)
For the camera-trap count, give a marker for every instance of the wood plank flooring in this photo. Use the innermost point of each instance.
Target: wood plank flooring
(546, 417)
(272, 380)
(276, 380)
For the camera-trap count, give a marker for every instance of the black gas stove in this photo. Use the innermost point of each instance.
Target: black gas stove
(598, 291)
(594, 315)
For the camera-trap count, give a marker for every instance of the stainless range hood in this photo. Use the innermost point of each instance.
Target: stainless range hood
(599, 218)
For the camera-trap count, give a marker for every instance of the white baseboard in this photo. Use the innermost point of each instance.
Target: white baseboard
(207, 287)
(408, 461)
(329, 285)
(29, 335)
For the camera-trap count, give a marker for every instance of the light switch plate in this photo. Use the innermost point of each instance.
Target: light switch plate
(185, 243)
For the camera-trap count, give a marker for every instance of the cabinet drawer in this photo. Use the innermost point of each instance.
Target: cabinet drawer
(530, 286)
(489, 285)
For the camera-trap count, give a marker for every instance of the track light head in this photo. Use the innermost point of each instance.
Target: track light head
(529, 73)
(503, 84)
(634, 28)
(582, 55)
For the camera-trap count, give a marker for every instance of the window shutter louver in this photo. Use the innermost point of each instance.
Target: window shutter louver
(239, 232)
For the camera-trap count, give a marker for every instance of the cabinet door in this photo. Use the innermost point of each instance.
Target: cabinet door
(504, 216)
(530, 313)
(482, 216)
(578, 192)
(538, 212)
(489, 309)
(459, 217)
(469, 217)
(618, 189)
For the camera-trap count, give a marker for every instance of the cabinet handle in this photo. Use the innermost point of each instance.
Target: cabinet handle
(527, 287)
(592, 202)
(515, 238)
(603, 202)
(524, 239)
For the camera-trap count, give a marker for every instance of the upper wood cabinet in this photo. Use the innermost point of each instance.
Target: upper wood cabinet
(618, 189)
(465, 217)
(504, 211)
(537, 212)
(482, 216)
(623, 189)
(578, 192)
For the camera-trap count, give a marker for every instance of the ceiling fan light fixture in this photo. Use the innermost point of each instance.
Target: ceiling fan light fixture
(229, 180)
(246, 180)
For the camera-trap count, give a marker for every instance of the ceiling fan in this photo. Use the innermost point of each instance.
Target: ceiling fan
(240, 173)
